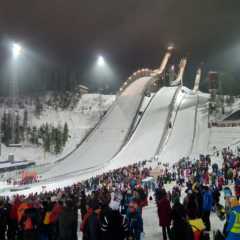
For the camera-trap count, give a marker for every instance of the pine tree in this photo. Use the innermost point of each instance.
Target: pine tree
(58, 140)
(232, 100)
(34, 136)
(17, 129)
(28, 134)
(31, 137)
(46, 139)
(25, 119)
(22, 133)
(8, 130)
(65, 133)
(52, 139)
(3, 127)
(38, 107)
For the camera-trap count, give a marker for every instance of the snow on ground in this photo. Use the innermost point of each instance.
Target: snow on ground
(201, 141)
(223, 136)
(80, 121)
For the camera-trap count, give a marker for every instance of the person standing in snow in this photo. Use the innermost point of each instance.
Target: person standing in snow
(92, 225)
(181, 228)
(232, 230)
(113, 225)
(164, 214)
(83, 204)
(68, 220)
(135, 221)
(3, 217)
(207, 204)
(237, 188)
(191, 204)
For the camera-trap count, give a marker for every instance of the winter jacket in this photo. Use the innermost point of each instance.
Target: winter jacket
(164, 212)
(57, 209)
(92, 228)
(68, 220)
(178, 212)
(21, 209)
(29, 223)
(207, 201)
(13, 214)
(113, 222)
(135, 224)
(232, 220)
(182, 230)
(237, 187)
(83, 207)
(85, 219)
(3, 217)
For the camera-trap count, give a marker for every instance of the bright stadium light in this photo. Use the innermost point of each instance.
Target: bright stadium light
(101, 61)
(16, 50)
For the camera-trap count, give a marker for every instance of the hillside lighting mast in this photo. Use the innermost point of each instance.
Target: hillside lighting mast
(17, 52)
(101, 64)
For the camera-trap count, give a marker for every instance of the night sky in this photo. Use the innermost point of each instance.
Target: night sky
(129, 33)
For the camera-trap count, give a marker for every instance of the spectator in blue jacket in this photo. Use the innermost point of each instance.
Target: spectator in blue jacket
(233, 224)
(135, 221)
(207, 204)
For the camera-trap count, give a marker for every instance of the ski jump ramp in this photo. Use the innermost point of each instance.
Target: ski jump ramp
(112, 132)
(145, 140)
(108, 137)
(182, 141)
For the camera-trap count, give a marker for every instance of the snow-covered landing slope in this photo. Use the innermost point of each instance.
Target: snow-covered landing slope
(107, 139)
(181, 140)
(146, 138)
(221, 137)
(201, 140)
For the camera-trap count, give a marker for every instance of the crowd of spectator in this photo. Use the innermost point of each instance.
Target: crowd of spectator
(111, 205)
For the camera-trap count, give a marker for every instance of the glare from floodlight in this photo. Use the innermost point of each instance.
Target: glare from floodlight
(101, 61)
(16, 50)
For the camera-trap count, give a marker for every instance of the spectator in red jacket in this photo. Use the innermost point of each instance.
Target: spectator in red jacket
(164, 214)
(237, 188)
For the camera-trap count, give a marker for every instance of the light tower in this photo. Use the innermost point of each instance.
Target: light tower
(17, 51)
(100, 61)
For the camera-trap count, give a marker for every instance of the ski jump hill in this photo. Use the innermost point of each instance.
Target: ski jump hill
(164, 125)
